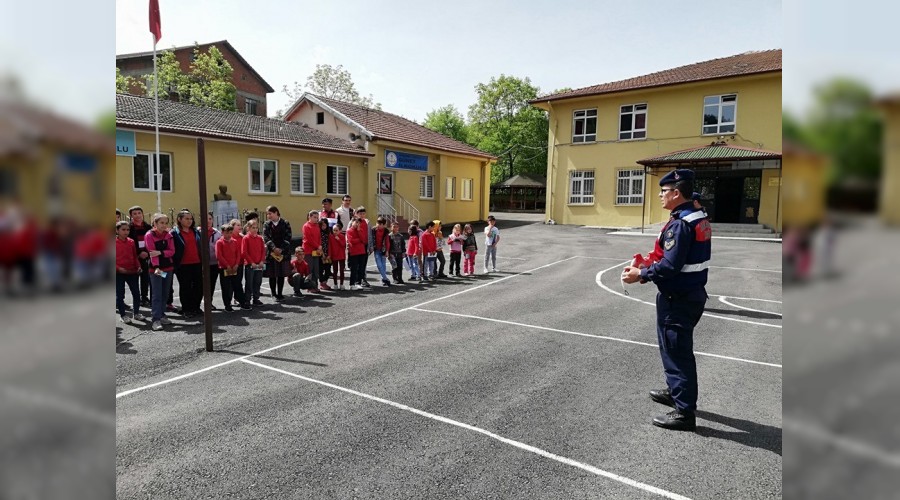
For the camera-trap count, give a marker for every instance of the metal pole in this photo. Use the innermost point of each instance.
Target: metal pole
(778, 200)
(204, 250)
(644, 204)
(158, 174)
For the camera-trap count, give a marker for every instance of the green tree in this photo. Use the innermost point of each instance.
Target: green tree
(448, 121)
(333, 82)
(845, 124)
(123, 83)
(504, 124)
(208, 84)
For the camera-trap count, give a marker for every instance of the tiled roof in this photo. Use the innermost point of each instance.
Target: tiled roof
(713, 152)
(523, 181)
(219, 44)
(23, 128)
(391, 127)
(137, 112)
(747, 63)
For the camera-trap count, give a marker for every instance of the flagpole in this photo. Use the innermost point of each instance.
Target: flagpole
(158, 172)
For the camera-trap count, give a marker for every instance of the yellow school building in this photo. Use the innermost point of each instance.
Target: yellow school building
(889, 204)
(609, 144)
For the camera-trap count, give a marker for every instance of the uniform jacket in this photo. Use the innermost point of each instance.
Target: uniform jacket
(312, 237)
(429, 242)
(337, 246)
(687, 248)
(355, 241)
(126, 256)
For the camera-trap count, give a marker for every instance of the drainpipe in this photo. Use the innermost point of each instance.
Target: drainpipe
(551, 167)
(644, 204)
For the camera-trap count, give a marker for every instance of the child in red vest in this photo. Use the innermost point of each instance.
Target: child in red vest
(128, 268)
(253, 256)
(337, 250)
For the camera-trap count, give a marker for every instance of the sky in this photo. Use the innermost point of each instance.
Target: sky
(414, 57)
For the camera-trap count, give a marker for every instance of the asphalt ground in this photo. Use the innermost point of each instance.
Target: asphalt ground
(841, 402)
(527, 383)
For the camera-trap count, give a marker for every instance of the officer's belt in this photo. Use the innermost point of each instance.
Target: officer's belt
(695, 268)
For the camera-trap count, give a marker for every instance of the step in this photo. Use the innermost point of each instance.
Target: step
(722, 228)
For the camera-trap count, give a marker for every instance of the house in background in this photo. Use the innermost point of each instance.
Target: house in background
(889, 205)
(416, 173)
(252, 89)
(609, 144)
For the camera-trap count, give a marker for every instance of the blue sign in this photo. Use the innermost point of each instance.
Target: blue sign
(405, 161)
(125, 143)
(77, 163)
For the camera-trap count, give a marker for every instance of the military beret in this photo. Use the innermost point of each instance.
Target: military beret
(682, 174)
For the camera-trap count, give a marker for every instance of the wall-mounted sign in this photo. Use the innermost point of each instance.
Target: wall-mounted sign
(405, 161)
(125, 143)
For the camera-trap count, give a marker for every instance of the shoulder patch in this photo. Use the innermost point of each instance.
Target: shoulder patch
(670, 234)
(669, 244)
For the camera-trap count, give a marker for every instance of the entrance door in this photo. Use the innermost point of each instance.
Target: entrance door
(385, 193)
(729, 193)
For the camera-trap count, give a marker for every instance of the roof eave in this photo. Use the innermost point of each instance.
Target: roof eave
(486, 156)
(650, 163)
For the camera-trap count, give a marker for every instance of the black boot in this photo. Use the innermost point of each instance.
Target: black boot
(662, 397)
(677, 420)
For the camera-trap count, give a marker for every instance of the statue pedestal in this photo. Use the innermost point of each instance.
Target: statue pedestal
(223, 211)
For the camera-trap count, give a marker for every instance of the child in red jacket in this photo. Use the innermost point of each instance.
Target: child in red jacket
(300, 277)
(429, 251)
(356, 244)
(128, 267)
(228, 253)
(412, 253)
(337, 250)
(253, 256)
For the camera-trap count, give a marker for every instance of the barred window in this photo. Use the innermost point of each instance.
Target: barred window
(581, 187)
(303, 178)
(630, 187)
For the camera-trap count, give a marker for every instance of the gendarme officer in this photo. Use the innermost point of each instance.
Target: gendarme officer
(680, 277)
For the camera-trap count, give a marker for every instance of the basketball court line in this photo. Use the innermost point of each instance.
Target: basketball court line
(845, 444)
(517, 444)
(340, 329)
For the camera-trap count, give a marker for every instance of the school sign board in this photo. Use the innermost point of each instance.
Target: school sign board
(399, 160)
(125, 145)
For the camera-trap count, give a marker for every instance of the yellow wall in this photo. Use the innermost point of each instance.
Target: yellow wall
(674, 119)
(804, 189)
(228, 163)
(890, 182)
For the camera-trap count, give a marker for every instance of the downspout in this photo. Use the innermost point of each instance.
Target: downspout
(778, 200)
(644, 204)
(551, 150)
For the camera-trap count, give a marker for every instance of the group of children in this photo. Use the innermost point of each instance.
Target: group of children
(240, 256)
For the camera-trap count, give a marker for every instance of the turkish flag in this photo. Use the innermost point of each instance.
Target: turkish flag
(155, 24)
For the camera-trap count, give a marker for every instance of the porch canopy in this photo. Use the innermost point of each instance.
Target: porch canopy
(728, 178)
(520, 192)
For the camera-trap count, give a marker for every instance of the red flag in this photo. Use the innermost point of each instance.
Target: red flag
(155, 24)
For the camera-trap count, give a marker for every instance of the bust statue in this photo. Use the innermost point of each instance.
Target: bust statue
(222, 194)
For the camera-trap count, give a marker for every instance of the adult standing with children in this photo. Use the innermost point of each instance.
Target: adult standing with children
(277, 236)
(680, 275)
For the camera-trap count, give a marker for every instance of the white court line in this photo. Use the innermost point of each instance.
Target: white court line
(517, 444)
(748, 269)
(724, 300)
(610, 290)
(745, 298)
(602, 337)
(70, 408)
(398, 311)
(845, 444)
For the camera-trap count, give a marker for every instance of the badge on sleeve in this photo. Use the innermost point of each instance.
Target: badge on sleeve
(670, 234)
(669, 244)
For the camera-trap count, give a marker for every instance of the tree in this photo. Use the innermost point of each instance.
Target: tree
(123, 83)
(448, 121)
(333, 82)
(845, 124)
(208, 84)
(504, 124)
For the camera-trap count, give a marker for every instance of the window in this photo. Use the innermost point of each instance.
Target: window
(426, 187)
(263, 176)
(143, 171)
(630, 187)
(320, 118)
(337, 180)
(719, 114)
(581, 187)
(9, 182)
(303, 178)
(249, 106)
(450, 188)
(467, 186)
(633, 122)
(584, 128)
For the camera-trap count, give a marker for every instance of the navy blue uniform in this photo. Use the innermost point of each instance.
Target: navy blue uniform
(681, 279)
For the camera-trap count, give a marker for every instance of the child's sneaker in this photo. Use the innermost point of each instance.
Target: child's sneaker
(138, 317)
(257, 302)
(126, 319)
(356, 287)
(495, 270)
(228, 308)
(324, 286)
(166, 321)
(313, 290)
(246, 306)
(157, 326)
(486, 270)
(386, 282)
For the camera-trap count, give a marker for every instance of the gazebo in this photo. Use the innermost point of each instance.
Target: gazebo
(522, 192)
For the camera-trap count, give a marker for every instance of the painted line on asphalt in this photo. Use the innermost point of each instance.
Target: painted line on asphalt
(748, 269)
(517, 444)
(842, 443)
(370, 320)
(610, 290)
(602, 337)
(61, 405)
(724, 299)
(745, 298)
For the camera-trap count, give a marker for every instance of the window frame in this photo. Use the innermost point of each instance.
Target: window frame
(633, 175)
(320, 114)
(151, 155)
(583, 177)
(634, 113)
(719, 123)
(450, 188)
(423, 187)
(248, 103)
(338, 168)
(471, 184)
(262, 162)
(302, 164)
(584, 136)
